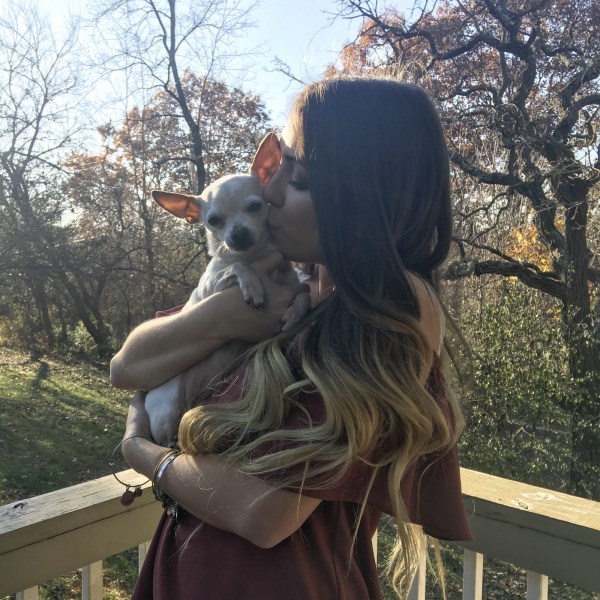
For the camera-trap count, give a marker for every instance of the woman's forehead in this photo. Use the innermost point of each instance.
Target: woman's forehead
(287, 140)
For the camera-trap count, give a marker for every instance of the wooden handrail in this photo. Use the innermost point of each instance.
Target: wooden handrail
(53, 534)
(536, 529)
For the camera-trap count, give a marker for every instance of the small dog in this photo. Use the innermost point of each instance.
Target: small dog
(234, 215)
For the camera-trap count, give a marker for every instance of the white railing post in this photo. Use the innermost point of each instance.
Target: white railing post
(417, 590)
(91, 581)
(537, 586)
(28, 594)
(472, 575)
(142, 551)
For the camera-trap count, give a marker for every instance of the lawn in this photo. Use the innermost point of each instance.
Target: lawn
(60, 422)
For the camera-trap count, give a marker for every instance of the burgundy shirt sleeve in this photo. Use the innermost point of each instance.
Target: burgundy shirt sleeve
(431, 488)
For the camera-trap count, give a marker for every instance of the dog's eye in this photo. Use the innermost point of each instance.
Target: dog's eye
(254, 207)
(215, 221)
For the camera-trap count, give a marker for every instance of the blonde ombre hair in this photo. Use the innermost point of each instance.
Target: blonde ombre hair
(377, 171)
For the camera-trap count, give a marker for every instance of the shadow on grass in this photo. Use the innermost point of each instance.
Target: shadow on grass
(60, 422)
(43, 369)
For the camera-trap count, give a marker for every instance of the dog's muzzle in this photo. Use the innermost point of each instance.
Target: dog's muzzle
(240, 239)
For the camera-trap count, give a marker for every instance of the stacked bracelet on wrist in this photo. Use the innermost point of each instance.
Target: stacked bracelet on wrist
(163, 462)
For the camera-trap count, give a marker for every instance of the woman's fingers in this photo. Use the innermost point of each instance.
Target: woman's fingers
(281, 289)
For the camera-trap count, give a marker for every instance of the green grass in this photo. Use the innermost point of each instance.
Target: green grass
(60, 422)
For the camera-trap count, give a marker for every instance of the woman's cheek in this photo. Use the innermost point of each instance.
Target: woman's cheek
(274, 191)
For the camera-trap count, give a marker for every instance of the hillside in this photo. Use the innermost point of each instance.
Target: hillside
(60, 422)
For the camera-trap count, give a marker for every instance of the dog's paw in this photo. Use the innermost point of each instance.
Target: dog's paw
(162, 406)
(253, 291)
(296, 312)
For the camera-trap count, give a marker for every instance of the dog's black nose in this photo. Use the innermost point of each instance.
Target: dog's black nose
(240, 239)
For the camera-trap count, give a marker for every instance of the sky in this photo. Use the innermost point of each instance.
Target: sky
(302, 33)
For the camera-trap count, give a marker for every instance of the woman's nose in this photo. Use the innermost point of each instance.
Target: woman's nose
(274, 190)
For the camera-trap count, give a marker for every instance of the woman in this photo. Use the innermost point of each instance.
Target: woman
(289, 466)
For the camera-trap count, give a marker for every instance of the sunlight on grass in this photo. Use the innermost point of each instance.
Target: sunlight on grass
(73, 419)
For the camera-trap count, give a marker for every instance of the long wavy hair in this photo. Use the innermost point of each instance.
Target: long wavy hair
(378, 173)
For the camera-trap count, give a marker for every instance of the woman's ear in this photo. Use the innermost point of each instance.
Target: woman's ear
(267, 159)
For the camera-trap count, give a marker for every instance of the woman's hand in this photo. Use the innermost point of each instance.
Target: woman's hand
(138, 422)
(252, 324)
(212, 489)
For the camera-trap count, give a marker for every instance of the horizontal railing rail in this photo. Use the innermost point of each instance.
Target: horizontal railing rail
(53, 534)
(547, 533)
(539, 530)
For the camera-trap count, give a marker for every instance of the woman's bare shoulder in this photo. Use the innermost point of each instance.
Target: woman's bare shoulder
(432, 318)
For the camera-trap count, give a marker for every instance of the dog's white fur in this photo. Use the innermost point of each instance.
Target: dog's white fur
(234, 214)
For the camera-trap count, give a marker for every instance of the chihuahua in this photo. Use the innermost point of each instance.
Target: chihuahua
(234, 215)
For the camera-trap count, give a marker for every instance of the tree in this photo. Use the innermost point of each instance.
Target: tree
(518, 405)
(517, 88)
(155, 38)
(38, 96)
(83, 248)
(151, 260)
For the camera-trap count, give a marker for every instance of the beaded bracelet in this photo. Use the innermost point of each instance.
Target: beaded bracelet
(128, 496)
(164, 461)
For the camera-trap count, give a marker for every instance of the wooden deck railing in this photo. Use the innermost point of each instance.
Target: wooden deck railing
(547, 533)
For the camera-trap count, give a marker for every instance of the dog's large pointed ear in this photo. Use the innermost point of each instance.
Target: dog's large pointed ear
(183, 206)
(267, 159)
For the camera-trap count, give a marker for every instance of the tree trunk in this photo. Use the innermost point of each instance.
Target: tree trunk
(584, 360)
(41, 302)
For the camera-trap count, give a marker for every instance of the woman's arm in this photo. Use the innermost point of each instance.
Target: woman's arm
(159, 349)
(212, 489)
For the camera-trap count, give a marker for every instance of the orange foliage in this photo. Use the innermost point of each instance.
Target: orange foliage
(524, 244)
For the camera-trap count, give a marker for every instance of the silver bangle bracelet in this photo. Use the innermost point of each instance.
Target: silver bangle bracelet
(168, 460)
(168, 503)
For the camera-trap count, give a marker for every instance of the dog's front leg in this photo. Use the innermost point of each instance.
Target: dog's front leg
(301, 303)
(249, 282)
(164, 410)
